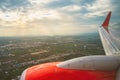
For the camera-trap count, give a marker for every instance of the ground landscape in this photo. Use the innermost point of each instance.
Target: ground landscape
(18, 53)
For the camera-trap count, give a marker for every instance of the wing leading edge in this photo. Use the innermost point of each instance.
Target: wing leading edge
(109, 47)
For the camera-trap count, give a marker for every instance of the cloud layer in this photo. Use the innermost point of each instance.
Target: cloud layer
(54, 17)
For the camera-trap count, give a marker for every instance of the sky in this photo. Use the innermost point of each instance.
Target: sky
(55, 17)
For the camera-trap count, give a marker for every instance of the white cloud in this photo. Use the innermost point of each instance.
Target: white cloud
(40, 1)
(96, 13)
(32, 13)
(50, 14)
(98, 8)
(9, 16)
(71, 8)
(35, 19)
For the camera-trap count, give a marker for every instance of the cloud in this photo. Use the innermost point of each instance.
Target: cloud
(12, 4)
(52, 17)
(71, 8)
(41, 1)
(9, 16)
(98, 8)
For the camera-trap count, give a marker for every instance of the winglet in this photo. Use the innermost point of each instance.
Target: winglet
(106, 22)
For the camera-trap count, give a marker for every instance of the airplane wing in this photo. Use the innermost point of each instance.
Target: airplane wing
(109, 46)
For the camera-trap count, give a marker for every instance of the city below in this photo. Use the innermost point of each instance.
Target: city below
(19, 53)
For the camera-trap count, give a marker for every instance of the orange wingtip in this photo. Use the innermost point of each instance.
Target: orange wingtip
(106, 22)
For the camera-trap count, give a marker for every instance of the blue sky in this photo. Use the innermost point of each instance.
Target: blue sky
(55, 17)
